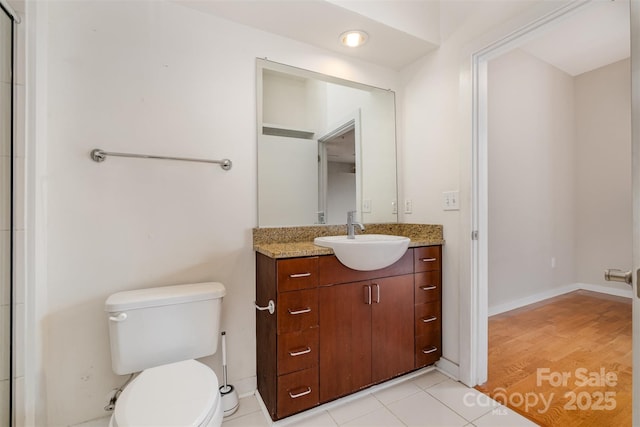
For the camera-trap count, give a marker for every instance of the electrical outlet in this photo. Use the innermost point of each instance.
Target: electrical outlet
(450, 201)
(408, 206)
(366, 206)
(394, 207)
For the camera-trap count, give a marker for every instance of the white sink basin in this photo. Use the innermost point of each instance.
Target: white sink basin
(367, 251)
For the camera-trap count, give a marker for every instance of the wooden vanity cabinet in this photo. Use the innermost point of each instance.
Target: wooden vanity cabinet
(288, 340)
(337, 330)
(428, 303)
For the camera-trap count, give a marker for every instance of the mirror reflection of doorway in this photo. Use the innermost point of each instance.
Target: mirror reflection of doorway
(338, 172)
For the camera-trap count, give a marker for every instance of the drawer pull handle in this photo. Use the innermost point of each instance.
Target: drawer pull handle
(271, 306)
(429, 319)
(302, 393)
(428, 259)
(428, 288)
(432, 349)
(300, 311)
(300, 352)
(298, 275)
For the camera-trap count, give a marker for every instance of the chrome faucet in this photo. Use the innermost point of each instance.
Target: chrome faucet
(351, 232)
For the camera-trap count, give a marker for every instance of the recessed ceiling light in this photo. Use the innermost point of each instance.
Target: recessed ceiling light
(353, 38)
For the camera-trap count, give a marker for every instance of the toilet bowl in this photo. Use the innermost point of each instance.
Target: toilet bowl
(181, 394)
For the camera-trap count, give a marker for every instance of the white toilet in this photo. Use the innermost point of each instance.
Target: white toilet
(158, 332)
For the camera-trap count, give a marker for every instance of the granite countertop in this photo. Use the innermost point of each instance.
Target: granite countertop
(291, 242)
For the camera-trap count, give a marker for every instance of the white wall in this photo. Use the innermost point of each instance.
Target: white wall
(435, 147)
(531, 177)
(603, 237)
(287, 166)
(149, 77)
(288, 180)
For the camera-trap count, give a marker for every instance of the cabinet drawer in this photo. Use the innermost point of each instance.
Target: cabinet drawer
(428, 348)
(297, 351)
(427, 258)
(427, 318)
(297, 310)
(297, 391)
(297, 273)
(428, 286)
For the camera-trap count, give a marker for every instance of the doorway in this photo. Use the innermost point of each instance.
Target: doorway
(481, 191)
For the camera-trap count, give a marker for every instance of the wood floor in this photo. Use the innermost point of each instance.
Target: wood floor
(565, 361)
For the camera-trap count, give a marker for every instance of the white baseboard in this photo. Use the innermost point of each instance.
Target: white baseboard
(448, 368)
(246, 386)
(619, 290)
(531, 299)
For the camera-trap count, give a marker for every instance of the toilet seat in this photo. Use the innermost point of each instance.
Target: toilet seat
(178, 394)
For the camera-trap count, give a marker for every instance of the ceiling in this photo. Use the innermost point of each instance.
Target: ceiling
(594, 36)
(341, 149)
(320, 23)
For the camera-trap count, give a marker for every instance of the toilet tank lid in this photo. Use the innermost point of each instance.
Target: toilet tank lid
(164, 295)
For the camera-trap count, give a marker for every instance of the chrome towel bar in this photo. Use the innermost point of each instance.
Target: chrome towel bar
(99, 155)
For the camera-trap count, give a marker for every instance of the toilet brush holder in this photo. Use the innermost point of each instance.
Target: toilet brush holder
(227, 391)
(230, 402)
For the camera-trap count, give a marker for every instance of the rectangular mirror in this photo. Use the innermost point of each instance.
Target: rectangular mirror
(326, 146)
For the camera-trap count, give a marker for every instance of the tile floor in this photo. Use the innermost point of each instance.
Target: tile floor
(430, 399)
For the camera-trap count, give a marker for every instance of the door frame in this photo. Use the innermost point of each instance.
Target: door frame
(634, 13)
(476, 337)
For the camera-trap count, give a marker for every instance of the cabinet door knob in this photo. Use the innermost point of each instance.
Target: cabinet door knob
(429, 319)
(428, 259)
(377, 300)
(428, 288)
(367, 294)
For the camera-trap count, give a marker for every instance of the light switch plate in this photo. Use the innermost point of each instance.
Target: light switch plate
(450, 201)
(408, 206)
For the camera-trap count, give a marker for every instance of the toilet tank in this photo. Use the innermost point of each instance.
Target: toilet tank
(157, 326)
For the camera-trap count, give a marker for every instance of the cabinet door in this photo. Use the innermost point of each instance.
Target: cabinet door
(345, 339)
(392, 327)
